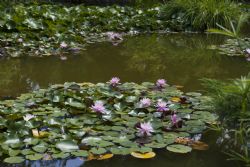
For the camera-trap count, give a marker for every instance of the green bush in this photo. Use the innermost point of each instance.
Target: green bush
(202, 14)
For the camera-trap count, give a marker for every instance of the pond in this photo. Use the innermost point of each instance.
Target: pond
(182, 59)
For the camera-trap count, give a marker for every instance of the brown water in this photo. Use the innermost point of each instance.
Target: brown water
(181, 59)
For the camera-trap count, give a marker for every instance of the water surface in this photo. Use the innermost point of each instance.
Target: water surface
(181, 59)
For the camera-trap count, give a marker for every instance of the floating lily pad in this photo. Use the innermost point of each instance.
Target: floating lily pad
(98, 151)
(143, 155)
(67, 146)
(105, 156)
(178, 148)
(80, 153)
(34, 157)
(14, 160)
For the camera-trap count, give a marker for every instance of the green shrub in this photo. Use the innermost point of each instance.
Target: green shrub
(202, 14)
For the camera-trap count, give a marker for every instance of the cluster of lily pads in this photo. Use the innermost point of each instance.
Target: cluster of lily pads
(97, 121)
(236, 47)
(38, 29)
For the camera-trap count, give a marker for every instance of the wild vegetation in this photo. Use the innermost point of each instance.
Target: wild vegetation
(232, 103)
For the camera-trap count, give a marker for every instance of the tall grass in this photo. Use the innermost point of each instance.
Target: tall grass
(203, 14)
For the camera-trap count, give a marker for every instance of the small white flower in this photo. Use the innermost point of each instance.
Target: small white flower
(27, 117)
(248, 50)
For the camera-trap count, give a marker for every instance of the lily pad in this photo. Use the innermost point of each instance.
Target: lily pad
(34, 157)
(143, 156)
(14, 160)
(178, 148)
(67, 146)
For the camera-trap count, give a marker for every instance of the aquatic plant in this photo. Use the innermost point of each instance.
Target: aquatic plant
(234, 47)
(114, 81)
(63, 45)
(174, 119)
(145, 129)
(69, 121)
(162, 106)
(27, 117)
(161, 83)
(98, 107)
(145, 102)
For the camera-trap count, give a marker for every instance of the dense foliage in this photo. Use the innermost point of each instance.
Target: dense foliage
(86, 120)
(232, 103)
(201, 14)
(37, 29)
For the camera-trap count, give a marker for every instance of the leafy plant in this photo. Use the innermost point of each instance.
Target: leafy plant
(235, 28)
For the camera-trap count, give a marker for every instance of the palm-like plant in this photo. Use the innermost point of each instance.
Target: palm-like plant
(234, 30)
(240, 87)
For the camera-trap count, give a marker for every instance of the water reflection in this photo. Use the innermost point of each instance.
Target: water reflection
(181, 59)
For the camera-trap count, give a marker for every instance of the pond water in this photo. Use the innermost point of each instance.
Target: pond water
(179, 58)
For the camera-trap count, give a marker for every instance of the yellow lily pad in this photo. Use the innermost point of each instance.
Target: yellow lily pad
(40, 134)
(175, 99)
(105, 156)
(143, 155)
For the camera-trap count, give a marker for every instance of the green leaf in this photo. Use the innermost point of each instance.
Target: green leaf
(80, 153)
(98, 151)
(34, 157)
(14, 160)
(178, 148)
(67, 146)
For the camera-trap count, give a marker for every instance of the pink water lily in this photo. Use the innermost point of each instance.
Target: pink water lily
(145, 129)
(162, 106)
(98, 107)
(63, 45)
(161, 83)
(145, 102)
(114, 81)
(174, 119)
(28, 117)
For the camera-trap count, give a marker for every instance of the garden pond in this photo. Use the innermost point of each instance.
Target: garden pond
(182, 59)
